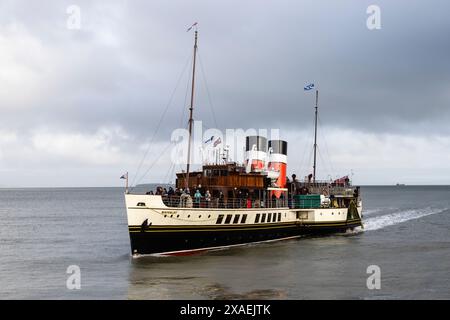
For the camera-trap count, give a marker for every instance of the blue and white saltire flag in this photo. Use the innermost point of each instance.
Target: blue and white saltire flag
(209, 140)
(309, 87)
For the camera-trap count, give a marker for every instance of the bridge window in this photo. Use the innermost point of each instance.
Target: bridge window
(236, 218)
(257, 218)
(219, 219)
(228, 218)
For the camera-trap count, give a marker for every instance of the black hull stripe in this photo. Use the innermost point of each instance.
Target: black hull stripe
(230, 226)
(161, 241)
(188, 228)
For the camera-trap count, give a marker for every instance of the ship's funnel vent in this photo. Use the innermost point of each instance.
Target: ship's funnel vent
(277, 162)
(255, 153)
(278, 147)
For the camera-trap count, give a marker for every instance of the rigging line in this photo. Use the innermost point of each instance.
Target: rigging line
(184, 109)
(155, 161)
(211, 106)
(323, 162)
(311, 138)
(185, 98)
(311, 150)
(168, 173)
(300, 166)
(310, 142)
(326, 147)
(160, 122)
(172, 173)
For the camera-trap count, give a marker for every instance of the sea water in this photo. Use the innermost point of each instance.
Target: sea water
(45, 231)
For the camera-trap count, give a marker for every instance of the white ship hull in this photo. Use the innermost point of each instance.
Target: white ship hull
(158, 229)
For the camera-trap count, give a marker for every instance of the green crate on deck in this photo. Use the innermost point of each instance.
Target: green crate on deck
(305, 201)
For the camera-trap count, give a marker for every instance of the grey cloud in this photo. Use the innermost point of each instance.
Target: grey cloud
(120, 69)
(257, 57)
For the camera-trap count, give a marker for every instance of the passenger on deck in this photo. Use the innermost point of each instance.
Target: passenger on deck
(208, 198)
(198, 197)
(186, 200)
(221, 200)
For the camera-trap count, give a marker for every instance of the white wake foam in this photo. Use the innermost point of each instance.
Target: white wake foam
(367, 212)
(383, 221)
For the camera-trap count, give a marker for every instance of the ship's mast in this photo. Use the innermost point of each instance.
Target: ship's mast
(315, 137)
(191, 110)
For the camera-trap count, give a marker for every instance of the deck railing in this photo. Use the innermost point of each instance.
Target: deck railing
(229, 203)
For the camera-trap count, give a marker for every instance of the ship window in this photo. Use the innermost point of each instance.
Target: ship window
(274, 219)
(244, 217)
(219, 219)
(279, 216)
(263, 219)
(269, 217)
(141, 204)
(228, 218)
(236, 218)
(257, 218)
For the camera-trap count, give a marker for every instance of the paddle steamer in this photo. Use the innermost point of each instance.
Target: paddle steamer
(240, 203)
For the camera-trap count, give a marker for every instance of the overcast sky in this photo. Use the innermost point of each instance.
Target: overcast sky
(78, 107)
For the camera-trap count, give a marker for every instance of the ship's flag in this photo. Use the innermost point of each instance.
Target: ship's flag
(124, 176)
(309, 87)
(341, 180)
(209, 140)
(218, 141)
(189, 29)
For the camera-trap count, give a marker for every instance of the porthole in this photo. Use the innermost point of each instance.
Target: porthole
(199, 215)
(165, 216)
(209, 216)
(189, 216)
(178, 215)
